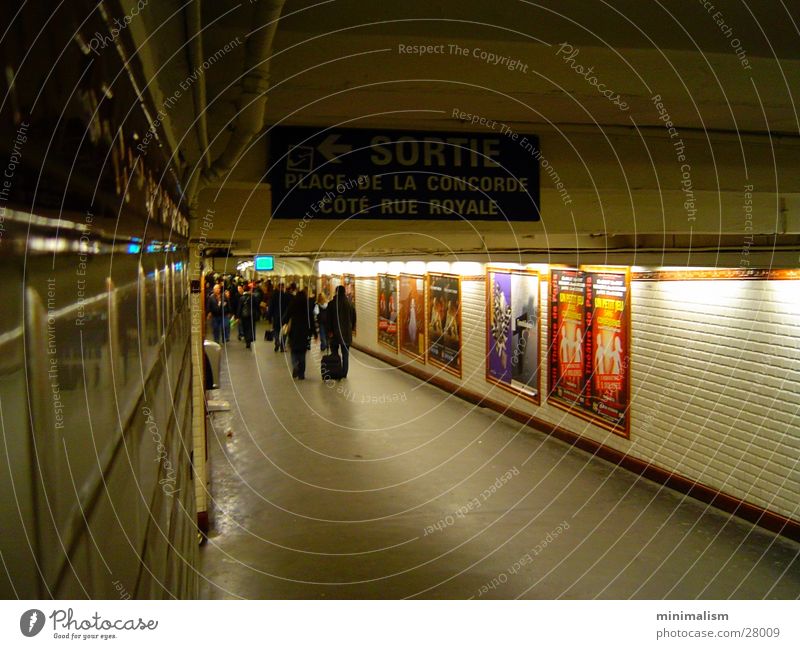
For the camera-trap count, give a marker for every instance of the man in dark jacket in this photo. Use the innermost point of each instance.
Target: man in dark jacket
(246, 315)
(300, 319)
(258, 298)
(278, 306)
(341, 324)
(234, 295)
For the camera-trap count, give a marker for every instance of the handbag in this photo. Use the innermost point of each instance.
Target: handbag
(286, 328)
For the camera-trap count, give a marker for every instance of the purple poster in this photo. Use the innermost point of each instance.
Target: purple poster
(499, 330)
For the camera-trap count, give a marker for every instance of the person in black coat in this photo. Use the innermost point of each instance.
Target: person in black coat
(234, 294)
(278, 306)
(258, 298)
(247, 317)
(300, 318)
(341, 316)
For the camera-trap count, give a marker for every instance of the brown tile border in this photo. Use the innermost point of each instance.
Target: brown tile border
(759, 516)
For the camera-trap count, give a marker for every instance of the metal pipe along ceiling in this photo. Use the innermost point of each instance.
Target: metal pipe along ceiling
(255, 82)
(194, 29)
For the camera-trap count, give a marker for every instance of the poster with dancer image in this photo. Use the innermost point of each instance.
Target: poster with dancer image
(513, 331)
(387, 311)
(411, 338)
(589, 344)
(607, 296)
(444, 322)
(349, 282)
(566, 340)
(328, 284)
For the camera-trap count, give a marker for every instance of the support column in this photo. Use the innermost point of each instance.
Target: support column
(200, 444)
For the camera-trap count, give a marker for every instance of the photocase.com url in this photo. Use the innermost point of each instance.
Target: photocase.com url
(744, 632)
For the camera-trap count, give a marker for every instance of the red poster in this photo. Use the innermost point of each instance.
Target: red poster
(589, 345)
(567, 330)
(607, 308)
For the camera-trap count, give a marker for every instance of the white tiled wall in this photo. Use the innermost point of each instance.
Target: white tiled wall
(715, 375)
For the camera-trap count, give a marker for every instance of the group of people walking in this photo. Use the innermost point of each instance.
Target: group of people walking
(297, 318)
(230, 299)
(292, 318)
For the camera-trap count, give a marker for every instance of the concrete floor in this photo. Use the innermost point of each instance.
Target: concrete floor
(381, 486)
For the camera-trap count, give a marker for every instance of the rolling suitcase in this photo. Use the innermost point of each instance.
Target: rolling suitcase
(331, 367)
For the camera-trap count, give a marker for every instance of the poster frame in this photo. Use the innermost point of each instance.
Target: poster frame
(418, 357)
(321, 285)
(428, 301)
(537, 398)
(344, 283)
(396, 347)
(579, 410)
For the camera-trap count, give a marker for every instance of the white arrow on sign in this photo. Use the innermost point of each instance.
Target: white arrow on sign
(331, 150)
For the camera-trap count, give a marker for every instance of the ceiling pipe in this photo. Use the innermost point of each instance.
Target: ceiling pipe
(252, 100)
(254, 86)
(194, 36)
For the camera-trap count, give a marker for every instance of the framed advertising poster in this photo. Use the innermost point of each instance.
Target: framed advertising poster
(411, 338)
(326, 287)
(513, 331)
(387, 311)
(566, 339)
(349, 282)
(444, 322)
(328, 284)
(607, 308)
(589, 342)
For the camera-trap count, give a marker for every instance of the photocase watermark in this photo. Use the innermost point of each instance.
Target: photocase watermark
(524, 560)
(744, 261)
(14, 160)
(31, 622)
(66, 626)
(52, 353)
(353, 396)
(100, 41)
(727, 31)
(328, 203)
(473, 505)
(169, 481)
(370, 399)
(122, 592)
(514, 184)
(569, 54)
(183, 86)
(85, 247)
(453, 49)
(204, 225)
(687, 186)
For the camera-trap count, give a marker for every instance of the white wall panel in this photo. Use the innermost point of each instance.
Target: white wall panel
(715, 376)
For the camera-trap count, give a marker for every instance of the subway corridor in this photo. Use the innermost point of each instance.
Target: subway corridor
(382, 486)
